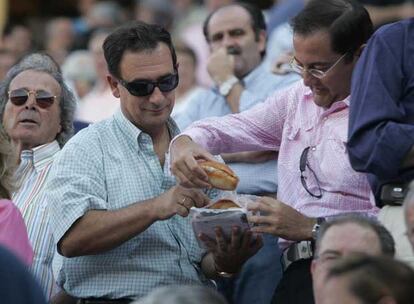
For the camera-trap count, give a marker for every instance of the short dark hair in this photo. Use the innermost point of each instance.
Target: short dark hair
(385, 238)
(372, 278)
(256, 16)
(135, 36)
(347, 22)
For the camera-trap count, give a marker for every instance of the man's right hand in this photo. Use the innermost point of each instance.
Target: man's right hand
(184, 154)
(179, 200)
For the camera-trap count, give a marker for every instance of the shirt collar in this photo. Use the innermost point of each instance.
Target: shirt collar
(133, 132)
(335, 106)
(41, 155)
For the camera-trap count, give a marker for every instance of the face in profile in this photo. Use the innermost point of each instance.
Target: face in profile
(314, 51)
(36, 119)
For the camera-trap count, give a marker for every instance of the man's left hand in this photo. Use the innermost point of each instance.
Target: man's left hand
(280, 220)
(230, 255)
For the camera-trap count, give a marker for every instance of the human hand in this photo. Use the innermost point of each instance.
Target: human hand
(179, 200)
(184, 154)
(220, 65)
(230, 255)
(280, 220)
(282, 64)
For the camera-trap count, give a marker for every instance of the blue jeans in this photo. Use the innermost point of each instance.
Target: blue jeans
(257, 281)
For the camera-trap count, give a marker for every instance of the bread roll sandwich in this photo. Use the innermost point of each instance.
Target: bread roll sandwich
(224, 204)
(220, 176)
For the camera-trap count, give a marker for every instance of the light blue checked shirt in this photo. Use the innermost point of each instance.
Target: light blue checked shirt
(255, 178)
(107, 166)
(33, 171)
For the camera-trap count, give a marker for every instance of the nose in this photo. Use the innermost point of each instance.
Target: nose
(308, 79)
(228, 41)
(156, 97)
(31, 99)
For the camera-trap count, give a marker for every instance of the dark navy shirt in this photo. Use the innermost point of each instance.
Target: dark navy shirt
(381, 123)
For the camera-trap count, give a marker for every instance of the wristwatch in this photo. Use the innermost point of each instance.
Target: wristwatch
(225, 87)
(316, 227)
(224, 274)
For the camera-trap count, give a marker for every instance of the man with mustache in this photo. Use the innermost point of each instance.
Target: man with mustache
(236, 35)
(37, 110)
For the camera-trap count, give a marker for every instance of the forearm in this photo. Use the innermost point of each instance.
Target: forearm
(100, 230)
(249, 157)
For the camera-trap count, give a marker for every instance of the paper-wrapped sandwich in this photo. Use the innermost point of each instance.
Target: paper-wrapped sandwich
(220, 176)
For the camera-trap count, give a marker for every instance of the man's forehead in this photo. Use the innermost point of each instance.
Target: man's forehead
(228, 17)
(33, 79)
(349, 237)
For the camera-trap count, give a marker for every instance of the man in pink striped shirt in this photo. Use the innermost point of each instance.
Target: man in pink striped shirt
(308, 124)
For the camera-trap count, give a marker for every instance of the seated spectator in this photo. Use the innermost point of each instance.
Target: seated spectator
(7, 60)
(36, 110)
(17, 284)
(341, 237)
(59, 38)
(369, 279)
(187, 294)
(13, 232)
(118, 217)
(79, 70)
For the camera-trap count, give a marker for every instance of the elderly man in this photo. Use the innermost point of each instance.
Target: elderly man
(342, 237)
(236, 34)
(37, 111)
(307, 123)
(115, 209)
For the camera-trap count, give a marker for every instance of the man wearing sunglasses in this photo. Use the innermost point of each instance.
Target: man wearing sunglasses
(37, 111)
(308, 124)
(117, 214)
(236, 35)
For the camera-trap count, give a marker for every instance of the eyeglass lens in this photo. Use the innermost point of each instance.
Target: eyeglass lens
(147, 87)
(20, 96)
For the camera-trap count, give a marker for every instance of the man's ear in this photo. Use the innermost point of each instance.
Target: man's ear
(113, 83)
(360, 49)
(262, 40)
(313, 267)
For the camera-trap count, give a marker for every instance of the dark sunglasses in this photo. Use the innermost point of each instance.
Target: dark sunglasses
(302, 167)
(20, 96)
(146, 87)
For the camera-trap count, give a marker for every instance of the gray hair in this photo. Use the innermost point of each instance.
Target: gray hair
(189, 294)
(386, 240)
(44, 63)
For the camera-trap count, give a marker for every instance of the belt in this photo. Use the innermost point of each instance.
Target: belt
(298, 251)
(103, 301)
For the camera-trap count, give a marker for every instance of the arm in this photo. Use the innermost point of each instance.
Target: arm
(249, 157)
(381, 134)
(99, 230)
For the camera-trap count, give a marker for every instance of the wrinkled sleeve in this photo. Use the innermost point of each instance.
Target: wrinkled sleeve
(259, 128)
(379, 136)
(76, 184)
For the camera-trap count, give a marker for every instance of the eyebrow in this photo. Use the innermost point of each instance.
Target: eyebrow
(312, 64)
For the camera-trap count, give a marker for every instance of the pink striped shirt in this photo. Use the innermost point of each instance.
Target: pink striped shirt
(289, 121)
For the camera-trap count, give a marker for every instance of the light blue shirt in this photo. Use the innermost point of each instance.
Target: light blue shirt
(254, 178)
(108, 166)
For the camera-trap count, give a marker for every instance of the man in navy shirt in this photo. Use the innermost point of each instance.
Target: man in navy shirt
(381, 132)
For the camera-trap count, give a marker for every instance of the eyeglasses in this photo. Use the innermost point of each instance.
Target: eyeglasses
(147, 87)
(19, 97)
(314, 72)
(302, 167)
